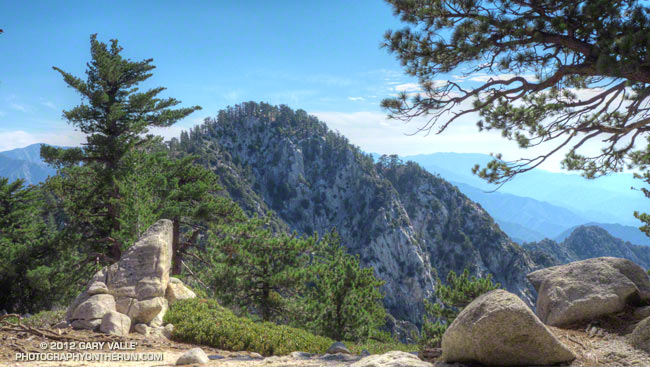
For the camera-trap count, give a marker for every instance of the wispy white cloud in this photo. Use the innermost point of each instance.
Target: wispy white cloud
(49, 104)
(407, 87)
(356, 99)
(374, 132)
(18, 106)
(20, 138)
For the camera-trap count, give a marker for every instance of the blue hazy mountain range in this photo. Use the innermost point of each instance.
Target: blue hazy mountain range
(541, 204)
(25, 163)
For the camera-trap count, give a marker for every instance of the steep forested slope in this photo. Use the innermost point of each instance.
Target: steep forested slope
(401, 220)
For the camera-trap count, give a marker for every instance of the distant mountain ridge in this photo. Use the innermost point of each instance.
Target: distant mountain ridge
(608, 199)
(25, 163)
(586, 242)
(522, 212)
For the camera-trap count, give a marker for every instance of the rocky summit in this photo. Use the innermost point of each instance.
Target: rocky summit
(406, 223)
(135, 291)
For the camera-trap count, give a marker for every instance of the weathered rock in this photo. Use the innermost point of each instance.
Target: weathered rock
(587, 289)
(115, 323)
(143, 329)
(640, 336)
(177, 291)
(147, 310)
(92, 324)
(364, 353)
(192, 356)
(338, 347)
(92, 309)
(642, 312)
(391, 359)
(97, 288)
(134, 286)
(167, 331)
(498, 329)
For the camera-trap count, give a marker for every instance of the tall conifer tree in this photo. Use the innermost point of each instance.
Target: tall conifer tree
(115, 120)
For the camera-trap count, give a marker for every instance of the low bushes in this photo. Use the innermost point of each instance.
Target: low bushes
(201, 321)
(205, 322)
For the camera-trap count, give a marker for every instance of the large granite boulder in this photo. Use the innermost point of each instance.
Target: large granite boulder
(498, 329)
(134, 286)
(587, 289)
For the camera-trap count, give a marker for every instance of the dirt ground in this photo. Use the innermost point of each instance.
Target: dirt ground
(598, 343)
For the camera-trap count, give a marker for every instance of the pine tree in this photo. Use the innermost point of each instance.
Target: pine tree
(255, 269)
(115, 122)
(190, 198)
(555, 76)
(343, 301)
(459, 292)
(30, 262)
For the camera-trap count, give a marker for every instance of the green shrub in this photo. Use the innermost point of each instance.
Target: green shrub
(205, 322)
(202, 321)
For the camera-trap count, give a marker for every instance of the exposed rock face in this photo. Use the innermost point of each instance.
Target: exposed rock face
(587, 289)
(391, 359)
(400, 219)
(134, 287)
(498, 329)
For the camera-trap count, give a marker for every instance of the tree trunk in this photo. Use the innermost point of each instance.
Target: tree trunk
(177, 257)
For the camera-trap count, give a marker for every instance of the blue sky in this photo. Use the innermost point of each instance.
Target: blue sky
(320, 56)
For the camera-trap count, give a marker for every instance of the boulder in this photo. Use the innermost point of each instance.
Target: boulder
(392, 359)
(588, 289)
(92, 324)
(97, 288)
(89, 313)
(143, 329)
(177, 291)
(192, 356)
(498, 329)
(640, 336)
(338, 347)
(115, 323)
(134, 286)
